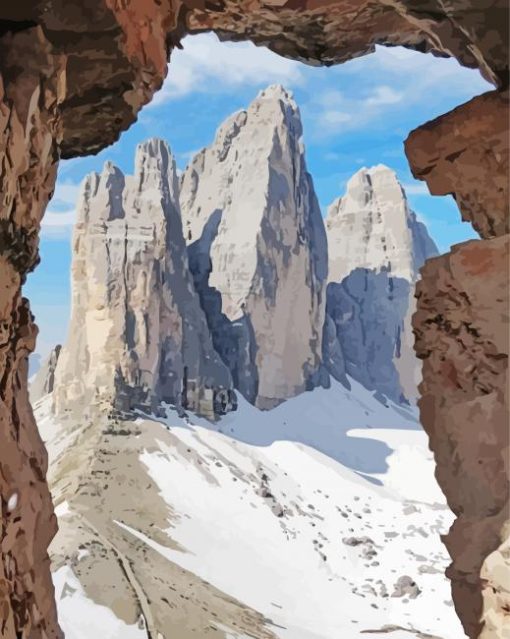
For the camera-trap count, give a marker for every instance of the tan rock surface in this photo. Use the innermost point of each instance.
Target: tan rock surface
(137, 333)
(461, 328)
(257, 248)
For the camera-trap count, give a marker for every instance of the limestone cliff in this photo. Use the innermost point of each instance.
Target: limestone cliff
(137, 333)
(376, 247)
(258, 249)
(44, 380)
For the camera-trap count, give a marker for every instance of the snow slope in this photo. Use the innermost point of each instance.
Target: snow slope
(309, 514)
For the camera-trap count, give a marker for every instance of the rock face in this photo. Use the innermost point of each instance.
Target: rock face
(376, 248)
(470, 161)
(30, 129)
(137, 333)
(257, 249)
(462, 330)
(72, 78)
(464, 347)
(44, 380)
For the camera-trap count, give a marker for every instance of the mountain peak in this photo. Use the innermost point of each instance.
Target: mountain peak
(372, 226)
(276, 92)
(257, 249)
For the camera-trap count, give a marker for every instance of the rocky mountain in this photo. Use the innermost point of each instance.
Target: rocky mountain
(257, 249)
(186, 519)
(137, 333)
(376, 248)
(43, 381)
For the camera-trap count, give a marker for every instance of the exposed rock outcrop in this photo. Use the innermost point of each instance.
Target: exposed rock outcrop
(44, 379)
(463, 332)
(114, 56)
(465, 153)
(376, 248)
(31, 89)
(461, 328)
(257, 249)
(116, 53)
(137, 334)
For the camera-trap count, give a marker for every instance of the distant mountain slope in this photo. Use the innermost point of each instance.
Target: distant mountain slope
(376, 247)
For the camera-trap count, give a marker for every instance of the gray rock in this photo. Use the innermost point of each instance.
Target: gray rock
(44, 380)
(406, 586)
(357, 541)
(138, 335)
(376, 248)
(257, 249)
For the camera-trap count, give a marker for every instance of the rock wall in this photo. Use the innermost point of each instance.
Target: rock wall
(258, 249)
(44, 380)
(376, 247)
(465, 152)
(114, 57)
(29, 132)
(137, 334)
(462, 336)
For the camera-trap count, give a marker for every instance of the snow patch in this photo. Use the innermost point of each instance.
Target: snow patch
(82, 618)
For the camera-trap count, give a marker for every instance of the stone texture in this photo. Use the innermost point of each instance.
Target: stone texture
(376, 248)
(117, 52)
(463, 330)
(257, 249)
(44, 379)
(29, 132)
(137, 334)
(465, 153)
(461, 327)
(333, 31)
(114, 55)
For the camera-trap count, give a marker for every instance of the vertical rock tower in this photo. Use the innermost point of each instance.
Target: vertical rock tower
(376, 248)
(258, 251)
(137, 333)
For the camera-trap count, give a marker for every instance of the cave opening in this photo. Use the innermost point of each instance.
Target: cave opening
(454, 292)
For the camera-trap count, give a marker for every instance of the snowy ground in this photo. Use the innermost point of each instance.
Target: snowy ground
(309, 514)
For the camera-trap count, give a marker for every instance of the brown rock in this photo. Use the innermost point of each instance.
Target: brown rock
(461, 329)
(29, 131)
(465, 153)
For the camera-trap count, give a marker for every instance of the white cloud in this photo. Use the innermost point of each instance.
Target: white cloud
(384, 95)
(205, 64)
(52, 218)
(335, 117)
(416, 188)
(58, 225)
(400, 81)
(416, 74)
(66, 194)
(336, 111)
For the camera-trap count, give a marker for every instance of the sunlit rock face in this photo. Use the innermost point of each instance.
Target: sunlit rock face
(44, 380)
(137, 333)
(258, 251)
(376, 247)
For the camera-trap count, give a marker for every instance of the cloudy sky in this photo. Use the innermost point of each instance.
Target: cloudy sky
(357, 114)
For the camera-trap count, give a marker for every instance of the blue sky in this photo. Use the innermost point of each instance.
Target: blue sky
(356, 114)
